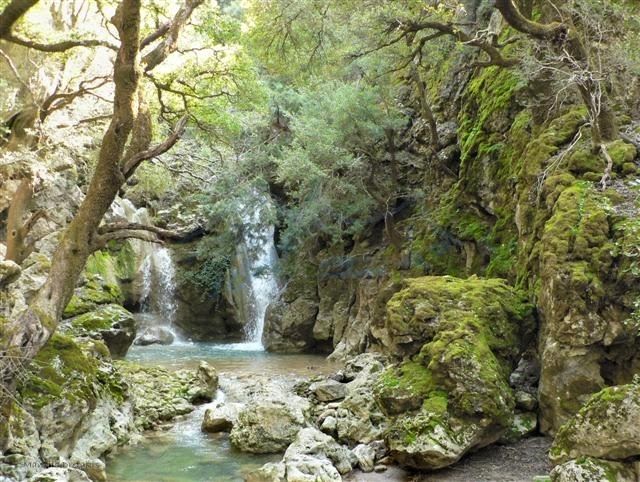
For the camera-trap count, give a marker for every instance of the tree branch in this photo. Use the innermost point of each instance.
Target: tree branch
(11, 14)
(170, 42)
(62, 46)
(163, 234)
(554, 31)
(131, 164)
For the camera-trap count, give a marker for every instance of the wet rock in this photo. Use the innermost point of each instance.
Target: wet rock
(328, 390)
(587, 469)
(608, 427)
(155, 335)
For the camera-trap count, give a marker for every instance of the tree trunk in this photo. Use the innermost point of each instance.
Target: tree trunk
(24, 336)
(16, 248)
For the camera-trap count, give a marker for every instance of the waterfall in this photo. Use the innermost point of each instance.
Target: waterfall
(155, 281)
(259, 250)
(159, 286)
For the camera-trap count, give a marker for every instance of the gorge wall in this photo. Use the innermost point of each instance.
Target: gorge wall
(512, 192)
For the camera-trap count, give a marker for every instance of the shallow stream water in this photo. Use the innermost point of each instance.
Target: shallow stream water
(183, 453)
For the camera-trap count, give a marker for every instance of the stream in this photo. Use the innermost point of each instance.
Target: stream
(183, 452)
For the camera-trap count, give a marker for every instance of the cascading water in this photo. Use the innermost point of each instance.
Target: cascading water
(258, 253)
(155, 281)
(159, 285)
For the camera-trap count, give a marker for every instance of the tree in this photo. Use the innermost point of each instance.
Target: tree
(125, 145)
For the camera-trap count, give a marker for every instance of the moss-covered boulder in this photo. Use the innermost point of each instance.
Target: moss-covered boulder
(433, 304)
(110, 323)
(607, 427)
(472, 332)
(74, 407)
(160, 394)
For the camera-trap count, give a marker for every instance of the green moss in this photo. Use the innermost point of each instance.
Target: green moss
(472, 331)
(103, 318)
(68, 369)
(621, 153)
(61, 368)
(583, 159)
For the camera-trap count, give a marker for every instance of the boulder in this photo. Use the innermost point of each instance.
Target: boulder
(523, 425)
(366, 456)
(161, 395)
(453, 395)
(608, 427)
(312, 457)
(221, 418)
(155, 335)
(60, 474)
(328, 390)
(433, 439)
(587, 469)
(112, 324)
(269, 425)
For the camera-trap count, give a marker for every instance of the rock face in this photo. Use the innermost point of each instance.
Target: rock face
(112, 324)
(288, 326)
(607, 427)
(76, 408)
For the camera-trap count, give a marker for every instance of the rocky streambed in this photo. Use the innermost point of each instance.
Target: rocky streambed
(282, 418)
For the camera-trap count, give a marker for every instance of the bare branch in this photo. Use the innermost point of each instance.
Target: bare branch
(132, 163)
(59, 46)
(170, 42)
